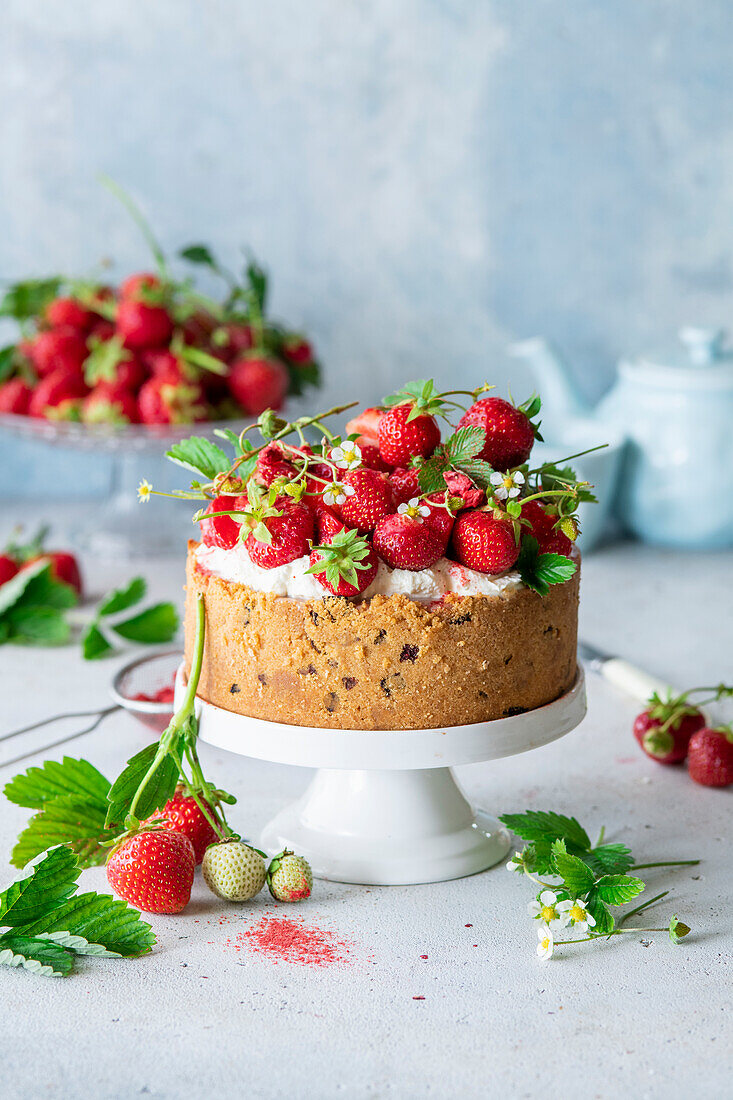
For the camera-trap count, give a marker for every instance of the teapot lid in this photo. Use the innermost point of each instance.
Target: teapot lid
(700, 360)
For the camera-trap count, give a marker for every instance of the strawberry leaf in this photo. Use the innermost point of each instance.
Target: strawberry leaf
(160, 787)
(94, 644)
(67, 819)
(119, 599)
(102, 362)
(153, 626)
(604, 920)
(44, 887)
(609, 859)
(27, 299)
(539, 571)
(618, 889)
(7, 361)
(577, 877)
(38, 785)
(199, 254)
(105, 925)
(40, 956)
(200, 455)
(545, 825)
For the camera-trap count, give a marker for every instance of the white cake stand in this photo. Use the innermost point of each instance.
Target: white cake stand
(384, 807)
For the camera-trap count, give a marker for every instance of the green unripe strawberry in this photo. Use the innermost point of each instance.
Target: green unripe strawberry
(233, 870)
(289, 877)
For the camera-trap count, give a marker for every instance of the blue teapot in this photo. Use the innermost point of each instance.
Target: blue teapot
(675, 484)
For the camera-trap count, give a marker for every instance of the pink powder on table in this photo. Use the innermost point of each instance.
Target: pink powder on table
(287, 939)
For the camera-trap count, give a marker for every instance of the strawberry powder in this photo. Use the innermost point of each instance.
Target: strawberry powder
(284, 939)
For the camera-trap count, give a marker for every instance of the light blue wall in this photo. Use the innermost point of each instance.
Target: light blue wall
(426, 180)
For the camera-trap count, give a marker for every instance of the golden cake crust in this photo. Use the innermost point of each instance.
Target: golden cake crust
(388, 662)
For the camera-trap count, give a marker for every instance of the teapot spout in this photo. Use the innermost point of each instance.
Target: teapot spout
(560, 397)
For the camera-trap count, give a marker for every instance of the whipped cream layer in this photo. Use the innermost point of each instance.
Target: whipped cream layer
(292, 580)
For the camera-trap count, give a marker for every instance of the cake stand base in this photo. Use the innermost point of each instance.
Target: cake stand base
(384, 808)
(387, 828)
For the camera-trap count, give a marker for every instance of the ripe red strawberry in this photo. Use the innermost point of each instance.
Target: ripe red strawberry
(222, 531)
(327, 524)
(135, 285)
(181, 815)
(162, 401)
(440, 519)
(460, 485)
(370, 455)
(109, 403)
(405, 484)
(258, 383)
(15, 396)
(58, 395)
(664, 729)
(8, 568)
(141, 325)
(366, 423)
(484, 542)
(153, 870)
(57, 348)
(102, 330)
(509, 433)
(710, 756)
(401, 439)
(290, 533)
(272, 464)
(408, 542)
(130, 374)
(64, 567)
(372, 499)
(238, 339)
(68, 313)
(297, 350)
(550, 540)
(345, 564)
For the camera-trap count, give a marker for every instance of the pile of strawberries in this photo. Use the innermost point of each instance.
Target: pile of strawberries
(151, 351)
(393, 490)
(675, 729)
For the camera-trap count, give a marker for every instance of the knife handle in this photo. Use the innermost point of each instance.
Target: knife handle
(636, 683)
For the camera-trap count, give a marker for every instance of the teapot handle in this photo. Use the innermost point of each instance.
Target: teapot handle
(704, 345)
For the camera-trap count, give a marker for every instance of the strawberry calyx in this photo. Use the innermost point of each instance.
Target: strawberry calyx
(422, 396)
(670, 712)
(342, 557)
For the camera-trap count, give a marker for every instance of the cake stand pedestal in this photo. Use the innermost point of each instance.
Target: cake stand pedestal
(384, 807)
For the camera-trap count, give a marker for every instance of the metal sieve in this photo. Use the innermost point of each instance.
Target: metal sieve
(143, 676)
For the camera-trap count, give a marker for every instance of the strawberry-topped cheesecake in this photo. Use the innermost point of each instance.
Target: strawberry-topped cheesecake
(396, 576)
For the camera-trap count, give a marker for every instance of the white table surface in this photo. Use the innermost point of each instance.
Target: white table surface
(633, 1016)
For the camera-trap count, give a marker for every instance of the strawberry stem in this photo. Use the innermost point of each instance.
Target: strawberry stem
(133, 210)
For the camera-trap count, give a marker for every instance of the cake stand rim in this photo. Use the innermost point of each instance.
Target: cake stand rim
(351, 749)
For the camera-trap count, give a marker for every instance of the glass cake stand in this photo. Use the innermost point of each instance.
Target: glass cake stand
(384, 807)
(120, 528)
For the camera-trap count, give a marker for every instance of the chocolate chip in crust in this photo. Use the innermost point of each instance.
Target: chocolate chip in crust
(331, 702)
(234, 689)
(460, 620)
(409, 652)
(309, 670)
(380, 637)
(349, 682)
(261, 677)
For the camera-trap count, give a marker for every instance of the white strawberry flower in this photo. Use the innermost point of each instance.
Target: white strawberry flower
(347, 456)
(577, 914)
(515, 863)
(507, 486)
(337, 492)
(548, 911)
(547, 944)
(144, 490)
(414, 508)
